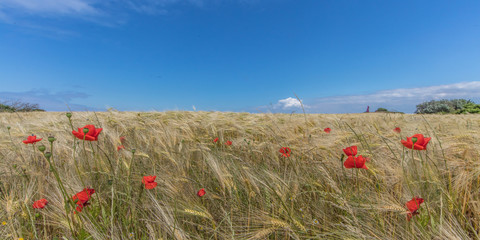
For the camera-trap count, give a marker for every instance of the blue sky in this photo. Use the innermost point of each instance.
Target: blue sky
(238, 55)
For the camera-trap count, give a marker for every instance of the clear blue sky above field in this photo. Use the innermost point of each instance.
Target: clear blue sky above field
(238, 55)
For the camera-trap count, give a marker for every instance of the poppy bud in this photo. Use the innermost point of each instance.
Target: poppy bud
(133, 150)
(37, 215)
(51, 139)
(85, 130)
(8, 127)
(41, 148)
(48, 155)
(69, 114)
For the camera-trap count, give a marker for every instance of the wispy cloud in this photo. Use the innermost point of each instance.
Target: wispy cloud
(401, 99)
(50, 101)
(76, 8)
(41, 16)
(26, 14)
(42, 7)
(82, 8)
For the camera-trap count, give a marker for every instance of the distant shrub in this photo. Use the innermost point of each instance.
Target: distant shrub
(384, 110)
(442, 106)
(381, 110)
(17, 106)
(469, 108)
(6, 108)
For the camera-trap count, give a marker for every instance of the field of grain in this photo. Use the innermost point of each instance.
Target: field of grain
(252, 191)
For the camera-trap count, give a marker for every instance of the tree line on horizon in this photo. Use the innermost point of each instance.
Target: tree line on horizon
(19, 106)
(444, 106)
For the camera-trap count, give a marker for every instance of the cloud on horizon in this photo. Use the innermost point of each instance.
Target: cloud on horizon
(401, 99)
(49, 101)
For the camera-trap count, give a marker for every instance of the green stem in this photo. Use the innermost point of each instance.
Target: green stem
(357, 181)
(32, 222)
(34, 154)
(415, 165)
(62, 188)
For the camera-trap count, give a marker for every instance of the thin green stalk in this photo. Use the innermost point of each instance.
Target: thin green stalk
(357, 181)
(94, 158)
(31, 221)
(130, 166)
(34, 154)
(14, 145)
(405, 174)
(415, 165)
(85, 154)
(62, 188)
(443, 154)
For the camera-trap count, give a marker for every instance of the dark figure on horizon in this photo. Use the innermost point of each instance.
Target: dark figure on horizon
(368, 109)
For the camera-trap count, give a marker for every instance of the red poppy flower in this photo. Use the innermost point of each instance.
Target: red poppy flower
(122, 139)
(397, 129)
(355, 162)
(92, 134)
(413, 206)
(81, 198)
(327, 130)
(201, 192)
(215, 140)
(32, 139)
(228, 143)
(40, 203)
(350, 151)
(285, 151)
(418, 142)
(120, 147)
(149, 182)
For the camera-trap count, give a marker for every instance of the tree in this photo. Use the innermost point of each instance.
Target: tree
(441, 106)
(469, 108)
(6, 108)
(381, 110)
(18, 106)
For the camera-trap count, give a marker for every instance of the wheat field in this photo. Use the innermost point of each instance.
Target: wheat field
(251, 190)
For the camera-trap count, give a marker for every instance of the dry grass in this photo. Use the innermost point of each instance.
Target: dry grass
(252, 191)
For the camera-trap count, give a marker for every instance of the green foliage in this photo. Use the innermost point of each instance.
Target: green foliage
(381, 110)
(18, 106)
(384, 110)
(469, 108)
(6, 108)
(442, 106)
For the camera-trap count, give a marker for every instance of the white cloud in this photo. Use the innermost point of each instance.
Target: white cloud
(288, 103)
